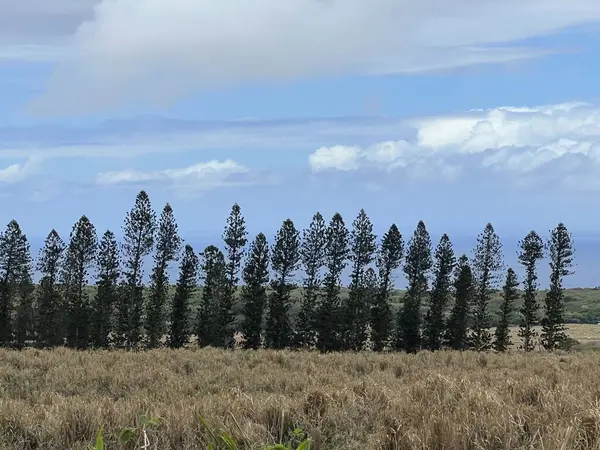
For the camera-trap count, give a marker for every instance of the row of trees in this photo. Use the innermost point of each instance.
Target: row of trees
(124, 313)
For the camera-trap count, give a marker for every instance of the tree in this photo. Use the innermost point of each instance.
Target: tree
(235, 237)
(254, 292)
(464, 291)
(327, 318)
(312, 252)
(531, 250)
(81, 255)
(509, 295)
(180, 310)
(106, 290)
(168, 243)
(416, 267)
(285, 259)
(356, 311)
(25, 320)
(560, 250)
(487, 262)
(14, 259)
(389, 259)
(214, 273)
(440, 294)
(138, 240)
(50, 301)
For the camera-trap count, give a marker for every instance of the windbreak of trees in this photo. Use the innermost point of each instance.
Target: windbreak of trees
(446, 305)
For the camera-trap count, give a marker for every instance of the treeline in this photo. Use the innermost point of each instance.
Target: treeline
(123, 313)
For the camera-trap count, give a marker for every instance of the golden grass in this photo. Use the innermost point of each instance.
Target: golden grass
(445, 400)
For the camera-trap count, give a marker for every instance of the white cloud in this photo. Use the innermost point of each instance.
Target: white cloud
(198, 177)
(18, 172)
(157, 51)
(552, 141)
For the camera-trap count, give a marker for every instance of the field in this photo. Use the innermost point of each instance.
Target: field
(445, 400)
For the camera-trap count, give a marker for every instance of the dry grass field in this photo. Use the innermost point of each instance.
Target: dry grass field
(58, 399)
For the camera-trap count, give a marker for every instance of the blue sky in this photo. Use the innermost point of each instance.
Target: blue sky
(456, 113)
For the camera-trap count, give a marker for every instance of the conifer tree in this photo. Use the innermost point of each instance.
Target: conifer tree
(138, 240)
(312, 252)
(235, 237)
(327, 317)
(254, 291)
(214, 274)
(80, 256)
(440, 294)
(168, 243)
(487, 262)
(25, 320)
(356, 311)
(179, 334)
(560, 250)
(14, 260)
(464, 291)
(389, 259)
(50, 301)
(416, 267)
(509, 294)
(285, 259)
(531, 250)
(107, 287)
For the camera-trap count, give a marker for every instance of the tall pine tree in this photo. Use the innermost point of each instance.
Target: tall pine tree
(80, 257)
(560, 250)
(285, 259)
(254, 291)
(389, 259)
(50, 302)
(356, 311)
(464, 292)
(107, 287)
(509, 294)
(216, 287)
(440, 294)
(179, 334)
(138, 240)
(417, 266)
(531, 250)
(25, 320)
(14, 259)
(168, 243)
(327, 317)
(487, 262)
(312, 252)
(235, 237)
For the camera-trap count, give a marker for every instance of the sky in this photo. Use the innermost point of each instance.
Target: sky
(456, 113)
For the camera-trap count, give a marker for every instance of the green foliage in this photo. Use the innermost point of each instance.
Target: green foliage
(51, 308)
(464, 291)
(138, 241)
(254, 291)
(416, 267)
(357, 308)
(531, 250)
(312, 253)
(560, 249)
(25, 317)
(285, 259)
(130, 436)
(186, 285)
(168, 243)
(99, 443)
(327, 319)
(487, 262)
(80, 257)
(440, 294)
(510, 294)
(216, 288)
(389, 258)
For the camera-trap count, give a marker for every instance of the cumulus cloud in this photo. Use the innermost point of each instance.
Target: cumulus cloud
(157, 51)
(197, 177)
(550, 141)
(15, 173)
